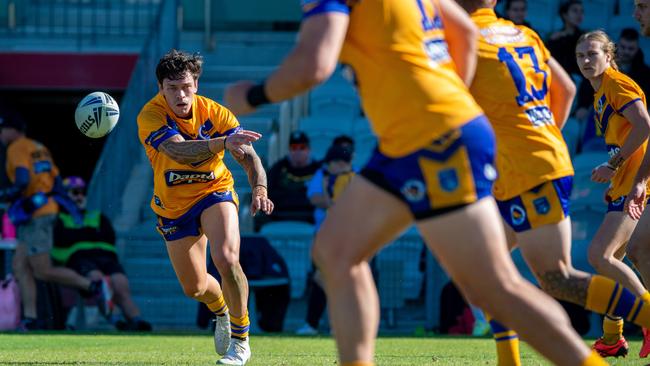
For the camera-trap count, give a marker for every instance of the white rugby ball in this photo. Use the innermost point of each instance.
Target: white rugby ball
(97, 114)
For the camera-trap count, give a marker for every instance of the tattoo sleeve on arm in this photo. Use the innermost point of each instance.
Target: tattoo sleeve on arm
(253, 166)
(186, 152)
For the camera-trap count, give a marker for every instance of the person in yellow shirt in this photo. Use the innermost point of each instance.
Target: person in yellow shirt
(533, 189)
(622, 118)
(411, 61)
(185, 137)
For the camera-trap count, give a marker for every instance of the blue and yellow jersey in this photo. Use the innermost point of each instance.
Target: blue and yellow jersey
(512, 86)
(177, 187)
(32, 156)
(335, 184)
(405, 76)
(617, 92)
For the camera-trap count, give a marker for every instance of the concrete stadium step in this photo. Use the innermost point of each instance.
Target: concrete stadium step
(162, 311)
(241, 48)
(155, 287)
(235, 72)
(149, 268)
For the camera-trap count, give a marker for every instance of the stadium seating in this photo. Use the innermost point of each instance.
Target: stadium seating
(292, 239)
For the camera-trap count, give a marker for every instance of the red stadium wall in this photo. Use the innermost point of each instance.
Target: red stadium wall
(66, 71)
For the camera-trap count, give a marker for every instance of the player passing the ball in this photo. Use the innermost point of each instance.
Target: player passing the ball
(411, 61)
(185, 136)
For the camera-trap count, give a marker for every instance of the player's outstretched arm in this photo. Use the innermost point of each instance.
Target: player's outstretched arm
(252, 164)
(461, 35)
(188, 152)
(563, 90)
(312, 61)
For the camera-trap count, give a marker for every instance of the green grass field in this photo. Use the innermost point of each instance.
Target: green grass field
(195, 349)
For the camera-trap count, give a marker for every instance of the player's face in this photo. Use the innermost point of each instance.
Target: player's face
(626, 50)
(642, 15)
(517, 12)
(179, 94)
(591, 59)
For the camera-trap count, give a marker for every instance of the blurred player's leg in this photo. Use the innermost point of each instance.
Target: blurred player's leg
(364, 218)
(188, 257)
(472, 237)
(220, 223)
(639, 253)
(605, 254)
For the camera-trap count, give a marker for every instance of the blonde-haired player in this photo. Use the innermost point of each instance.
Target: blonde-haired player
(622, 118)
(411, 60)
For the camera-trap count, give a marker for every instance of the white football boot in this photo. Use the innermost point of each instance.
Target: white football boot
(222, 334)
(238, 354)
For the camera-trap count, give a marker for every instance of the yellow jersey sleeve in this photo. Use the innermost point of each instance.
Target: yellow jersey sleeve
(622, 92)
(153, 129)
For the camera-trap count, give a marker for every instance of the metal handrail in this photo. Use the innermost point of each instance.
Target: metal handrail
(122, 152)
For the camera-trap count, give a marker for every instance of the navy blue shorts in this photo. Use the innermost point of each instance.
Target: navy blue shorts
(189, 224)
(451, 172)
(546, 204)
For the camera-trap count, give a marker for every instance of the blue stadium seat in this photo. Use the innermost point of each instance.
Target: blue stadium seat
(597, 13)
(572, 133)
(292, 239)
(542, 15)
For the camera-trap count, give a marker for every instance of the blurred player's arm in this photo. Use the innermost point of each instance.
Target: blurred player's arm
(312, 61)
(638, 111)
(252, 164)
(563, 90)
(461, 35)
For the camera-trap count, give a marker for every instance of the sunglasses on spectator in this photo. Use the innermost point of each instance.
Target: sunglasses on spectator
(77, 192)
(298, 147)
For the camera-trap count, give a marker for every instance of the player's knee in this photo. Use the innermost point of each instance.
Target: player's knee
(227, 256)
(636, 253)
(194, 290)
(326, 257)
(598, 260)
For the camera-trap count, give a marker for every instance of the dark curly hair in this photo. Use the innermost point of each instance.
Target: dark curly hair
(175, 64)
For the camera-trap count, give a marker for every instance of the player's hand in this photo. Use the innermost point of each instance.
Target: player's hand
(260, 201)
(235, 97)
(235, 142)
(602, 174)
(636, 200)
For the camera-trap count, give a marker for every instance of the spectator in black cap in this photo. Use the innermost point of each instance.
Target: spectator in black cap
(287, 180)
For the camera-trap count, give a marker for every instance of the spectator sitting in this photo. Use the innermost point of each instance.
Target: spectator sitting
(562, 43)
(35, 196)
(516, 12)
(323, 190)
(630, 58)
(89, 249)
(287, 180)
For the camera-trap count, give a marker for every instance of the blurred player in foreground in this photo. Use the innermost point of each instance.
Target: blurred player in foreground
(434, 165)
(185, 137)
(622, 119)
(535, 179)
